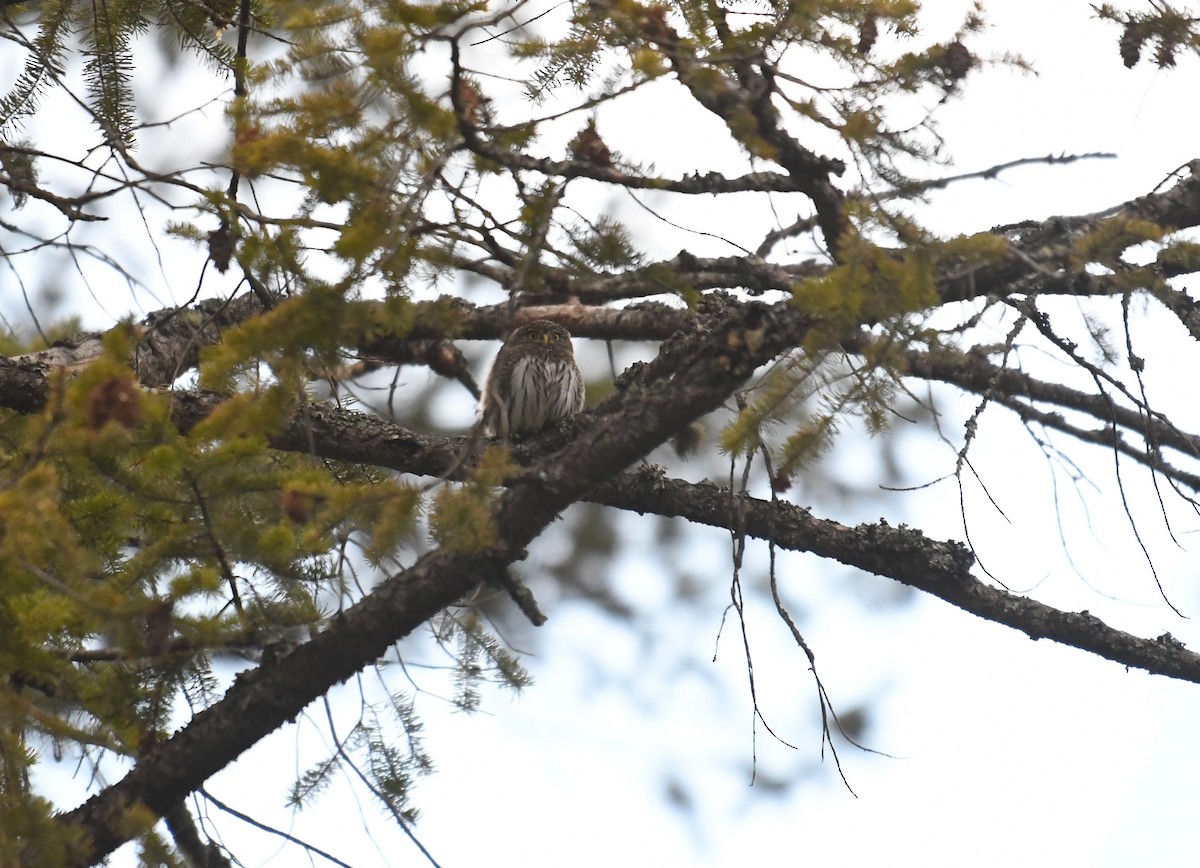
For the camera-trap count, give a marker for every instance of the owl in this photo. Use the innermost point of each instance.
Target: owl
(534, 381)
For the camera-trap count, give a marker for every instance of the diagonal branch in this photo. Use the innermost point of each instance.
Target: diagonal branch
(906, 555)
(750, 98)
(634, 420)
(1015, 389)
(1040, 250)
(707, 365)
(940, 568)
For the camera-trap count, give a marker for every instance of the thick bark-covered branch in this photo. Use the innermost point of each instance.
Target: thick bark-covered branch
(707, 366)
(170, 340)
(693, 375)
(168, 345)
(1041, 250)
(940, 568)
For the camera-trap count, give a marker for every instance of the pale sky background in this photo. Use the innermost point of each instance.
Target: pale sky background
(1003, 750)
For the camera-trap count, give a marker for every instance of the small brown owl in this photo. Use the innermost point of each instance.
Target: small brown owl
(534, 381)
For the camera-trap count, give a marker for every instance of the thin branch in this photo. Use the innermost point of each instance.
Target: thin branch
(246, 818)
(994, 171)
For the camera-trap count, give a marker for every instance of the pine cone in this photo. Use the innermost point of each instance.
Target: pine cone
(589, 147)
(868, 32)
(957, 61)
(1131, 44)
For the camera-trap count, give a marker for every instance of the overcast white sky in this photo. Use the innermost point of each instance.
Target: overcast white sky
(1004, 751)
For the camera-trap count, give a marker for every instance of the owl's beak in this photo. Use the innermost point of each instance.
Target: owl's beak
(545, 339)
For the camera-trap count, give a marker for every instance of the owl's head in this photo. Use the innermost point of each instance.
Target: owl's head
(541, 334)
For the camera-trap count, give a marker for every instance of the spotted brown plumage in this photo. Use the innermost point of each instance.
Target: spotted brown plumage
(534, 381)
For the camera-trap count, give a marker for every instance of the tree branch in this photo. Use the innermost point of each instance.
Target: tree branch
(940, 568)
(751, 97)
(709, 363)
(974, 373)
(692, 375)
(904, 554)
(172, 338)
